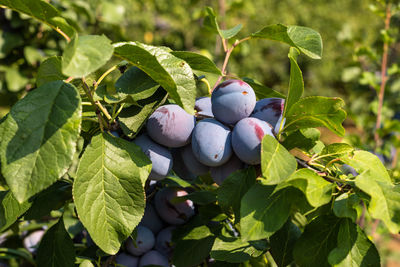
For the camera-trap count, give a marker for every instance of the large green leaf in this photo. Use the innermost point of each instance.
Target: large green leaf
(304, 139)
(50, 70)
(42, 11)
(282, 243)
(108, 190)
(353, 249)
(232, 249)
(133, 118)
(305, 39)
(193, 243)
(277, 164)
(345, 206)
(317, 190)
(10, 209)
(135, 83)
(52, 198)
(56, 248)
(296, 84)
(363, 161)
(385, 199)
(39, 138)
(85, 54)
(335, 150)
(264, 211)
(171, 72)
(316, 111)
(198, 61)
(233, 188)
(317, 241)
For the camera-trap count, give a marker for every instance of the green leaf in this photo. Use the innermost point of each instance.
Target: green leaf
(304, 139)
(193, 243)
(56, 248)
(228, 34)
(264, 211)
(14, 79)
(42, 11)
(175, 181)
(86, 263)
(296, 84)
(50, 70)
(232, 249)
(198, 62)
(317, 190)
(10, 209)
(363, 161)
(262, 91)
(172, 73)
(345, 206)
(210, 22)
(108, 190)
(133, 118)
(233, 188)
(52, 198)
(85, 54)
(282, 244)
(39, 138)
(316, 111)
(277, 164)
(305, 39)
(317, 241)
(385, 199)
(136, 84)
(334, 150)
(32, 55)
(354, 248)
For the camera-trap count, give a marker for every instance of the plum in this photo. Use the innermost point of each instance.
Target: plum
(220, 173)
(191, 162)
(203, 107)
(151, 220)
(160, 157)
(246, 139)
(153, 257)
(127, 260)
(232, 101)
(269, 110)
(31, 241)
(211, 142)
(179, 167)
(171, 126)
(172, 211)
(144, 241)
(164, 241)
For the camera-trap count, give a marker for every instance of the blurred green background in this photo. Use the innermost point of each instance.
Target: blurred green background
(352, 32)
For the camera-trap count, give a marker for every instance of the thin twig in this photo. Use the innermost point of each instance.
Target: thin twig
(63, 34)
(378, 141)
(96, 84)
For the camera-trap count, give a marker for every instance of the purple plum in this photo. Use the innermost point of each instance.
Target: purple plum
(127, 260)
(191, 162)
(211, 142)
(171, 126)
(160, 157)
(203, 107)
(246, 139)
(164, 241)
(144, 241)
(270, 110)
(170, 209)
(153, 257)
(220, 173)
(151, 220)
(232, 101)
(179, 167)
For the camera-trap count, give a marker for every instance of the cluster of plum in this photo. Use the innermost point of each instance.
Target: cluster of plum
(152, 241)
(226, 136)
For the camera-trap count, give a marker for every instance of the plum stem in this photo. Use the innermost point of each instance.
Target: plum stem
(378, 140)
(96, 84)
(226, 60)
